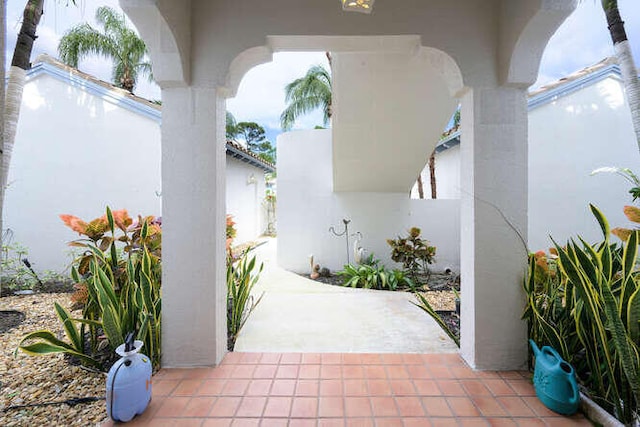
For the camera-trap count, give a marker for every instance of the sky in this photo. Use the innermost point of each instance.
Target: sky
(581, 41)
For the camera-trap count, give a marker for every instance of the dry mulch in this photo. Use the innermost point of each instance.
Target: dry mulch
(26, 379)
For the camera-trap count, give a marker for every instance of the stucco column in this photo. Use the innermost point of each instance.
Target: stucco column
(193, 207)
(493, 227)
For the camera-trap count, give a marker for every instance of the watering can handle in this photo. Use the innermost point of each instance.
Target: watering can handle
(552, 352)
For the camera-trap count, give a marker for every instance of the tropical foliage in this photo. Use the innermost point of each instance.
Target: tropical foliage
(241, 278)
(584, 300)
(116, 42)
(425, 306)
(371, 274)
(306, 94)
(413, 252)
(118, 278)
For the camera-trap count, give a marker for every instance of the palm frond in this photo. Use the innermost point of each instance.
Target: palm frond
(306, 94)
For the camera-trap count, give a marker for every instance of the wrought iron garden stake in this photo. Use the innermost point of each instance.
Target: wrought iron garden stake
(343, 233)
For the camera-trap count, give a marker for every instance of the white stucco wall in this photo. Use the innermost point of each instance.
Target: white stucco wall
(307, 207)
(447, 176)
(568, 139)
(76, 153)
(244, 199)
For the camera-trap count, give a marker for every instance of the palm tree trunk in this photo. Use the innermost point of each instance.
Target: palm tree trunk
(432, 174)
(17, 74)
(420, 186)
(625, 61)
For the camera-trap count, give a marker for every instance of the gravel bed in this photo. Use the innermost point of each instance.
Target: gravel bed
(26, 379)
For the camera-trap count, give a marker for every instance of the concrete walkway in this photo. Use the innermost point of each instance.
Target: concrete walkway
(301, 315)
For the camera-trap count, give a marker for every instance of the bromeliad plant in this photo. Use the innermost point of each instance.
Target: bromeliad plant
(118, 278)
(585, 302)
(372, 275)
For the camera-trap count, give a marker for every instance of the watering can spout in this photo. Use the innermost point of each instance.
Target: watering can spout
(536, 350)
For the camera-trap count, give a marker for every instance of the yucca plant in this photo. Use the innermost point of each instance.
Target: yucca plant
(424, 305)
(241, 278)
(590, 313)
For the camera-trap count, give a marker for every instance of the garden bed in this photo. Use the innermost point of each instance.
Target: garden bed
(25, 379)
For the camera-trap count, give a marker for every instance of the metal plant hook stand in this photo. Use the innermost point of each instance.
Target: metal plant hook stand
(345, 233)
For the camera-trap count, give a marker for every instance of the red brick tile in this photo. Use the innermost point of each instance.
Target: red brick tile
(197, 373)
(166, 422)
(357, 407)
(274, 422)
(330, 422)
(259, 388)
(538, 408)
(211, 388)
(270, 358)
(427, 388)
(462, 407)
(331, 358)
(488, 406)
(307, 388)
(302, 423)
(410, 406)
(473, 422)
(374, 371)
(511, 375)
(235, 387)
(355, 388)
(431, 359)
(491, 375)
(265, 371)
(251, 358)
(515, 406)
(501, 422)
(163, 387)
(389, 422)
(402, 387)
(287, 371)
(198, 407)
(379, 388)
(309, 372)
(475, 388)
(530, 422)
(291, 359)
(283, 387)
(217, 422)
(451, 388)
(352, 371)
(416, 422)
(412, 359)
(371, 359)
(330, 371)
(498, 387)
(304, 407)
(251, 407)
(222, 371)
(384, 407)
(392, 359)
(186, 388)
(172, 407)
(155, 404)
(436, 406)
(172, 374)
(352, 359)
(566, 422)
(440, 371)
(418, 372)
(522, 387)
(359, 422)
(397, 371)
(462, 372)
(246, 422)
(232, 358)
(444, 422)
(452, 359)
(331, 407)
(225, 406)
(278, 407)
(311, 358)
(331, 388)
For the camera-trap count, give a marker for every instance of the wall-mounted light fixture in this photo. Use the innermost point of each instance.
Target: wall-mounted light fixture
(251, 179)
(362, 6)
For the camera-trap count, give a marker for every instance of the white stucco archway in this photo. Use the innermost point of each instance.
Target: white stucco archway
(196, 48)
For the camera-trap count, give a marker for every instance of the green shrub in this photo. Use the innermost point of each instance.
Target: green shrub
(586, 304)
(372, 275)
(413, 252)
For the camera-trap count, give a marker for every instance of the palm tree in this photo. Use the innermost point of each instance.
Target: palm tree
(305, 94)
(625, 60)
(117, 42)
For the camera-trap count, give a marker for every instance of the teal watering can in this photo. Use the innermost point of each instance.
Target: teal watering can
(555, 381)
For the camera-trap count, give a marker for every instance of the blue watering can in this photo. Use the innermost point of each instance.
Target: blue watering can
(555, 381)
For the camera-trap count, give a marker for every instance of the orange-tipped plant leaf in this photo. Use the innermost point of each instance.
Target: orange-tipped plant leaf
(622, 233)
(633, 213)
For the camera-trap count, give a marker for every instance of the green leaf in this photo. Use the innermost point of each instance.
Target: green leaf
(69, 328)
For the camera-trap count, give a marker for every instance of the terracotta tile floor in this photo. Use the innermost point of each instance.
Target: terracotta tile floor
(327, 390)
